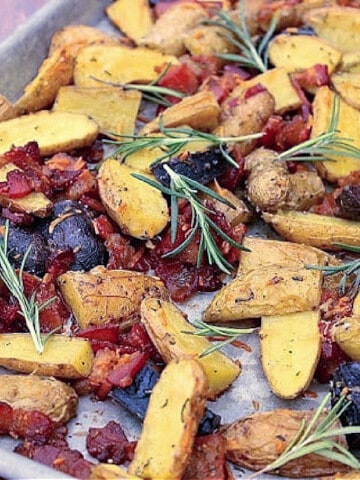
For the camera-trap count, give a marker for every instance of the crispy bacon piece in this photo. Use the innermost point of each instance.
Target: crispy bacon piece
(17, 185)
(110, 444)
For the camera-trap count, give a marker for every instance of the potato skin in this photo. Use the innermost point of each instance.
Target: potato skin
(30, 392)
(253, 442)
(139, 209)
(346, 334)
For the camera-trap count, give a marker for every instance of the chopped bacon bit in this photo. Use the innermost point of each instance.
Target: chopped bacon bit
(108, 333)
(104, 227)
(207, 460)
(313, 77)
(56, 314)
(17, 185)
(18, 218)
(122, 255)
(254, 90)
(59, 262)
(123, 375)
(65, 163)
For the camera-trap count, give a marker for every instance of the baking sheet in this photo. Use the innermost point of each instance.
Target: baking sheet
(30, 42)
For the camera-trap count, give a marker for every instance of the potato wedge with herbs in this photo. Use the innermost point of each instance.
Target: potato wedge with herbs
(172, 419)
(319, 231)
(290, 351)
(52, 397)
(132, 17)
(298, 52)
(274, 287)
(53, 131)
(257, 440)
(200, 111)
(102, 296)
(115, 110)
(348, 127)
(166, 327)
(64, 357)
(340, 26)
(35, 203)
(346, 333)
(139, 209)
(347, 86)
(95, 65)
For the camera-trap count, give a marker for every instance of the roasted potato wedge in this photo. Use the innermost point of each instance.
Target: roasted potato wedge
(253, 442)
(107, 471)
(52, 397)
(53, 131)
(35, 203)
(200, 111)
(102, 296)
(290, 350)
(346, 334)
(166, 326)
(316, 230)
(347, 86)
(348, 127)
(114, 110)
(98, 64)
(167, 33)
(274, 287)
(132, 17)
(174, 413)
(139, 209)
(63, 357)
(339, 26)
(7, 109)
(298, 52)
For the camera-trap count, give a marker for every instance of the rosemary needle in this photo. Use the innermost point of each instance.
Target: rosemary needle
(14, 282)
(187, 189)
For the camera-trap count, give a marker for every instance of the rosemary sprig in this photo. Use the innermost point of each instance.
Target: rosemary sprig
(348, 269)
(326, 145)
(316, 438)
(252, 55)
(14, 282)
(205, 330)
(173, 140)
(182, 187)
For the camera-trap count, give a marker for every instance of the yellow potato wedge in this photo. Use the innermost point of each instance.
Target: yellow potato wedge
(7, 109)
(347, 86)
(200, 111)
(298, 52)
(55, 71)
(102, 296)
(112, 108)
(278, 83)
(52, 397)
(139, 209)
(290, 350)
(346, 333)
(317, 230)
(132, 17)
(350, 62)
(35, 203)
(348, 127)
(97, 64)
(271, 288)
(107, 471)
(173, 415)
(53, 131)
(63, 357)
(169, 30)
(208, 40)
(339, 26)
(166, 325)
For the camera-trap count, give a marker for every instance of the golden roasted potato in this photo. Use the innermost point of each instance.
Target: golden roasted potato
(208, 40)
(139, 209)
(47, 395)
(53, 131)
(102, 296)
(173, 415)
(63, 357)
(347, 85)
(274, 287)
(7, 109)
(257, 440)
(298, 52)
(348, 125)
(169, 30)
(114, 110)
(200, 111)
(290, 350)
(316, 230)
(166, 326)
(107, 471)
(346, 334)
(97, 64)
(132, 17)
(339, 26)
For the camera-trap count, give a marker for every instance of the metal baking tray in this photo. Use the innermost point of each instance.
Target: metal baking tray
(20, 56)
